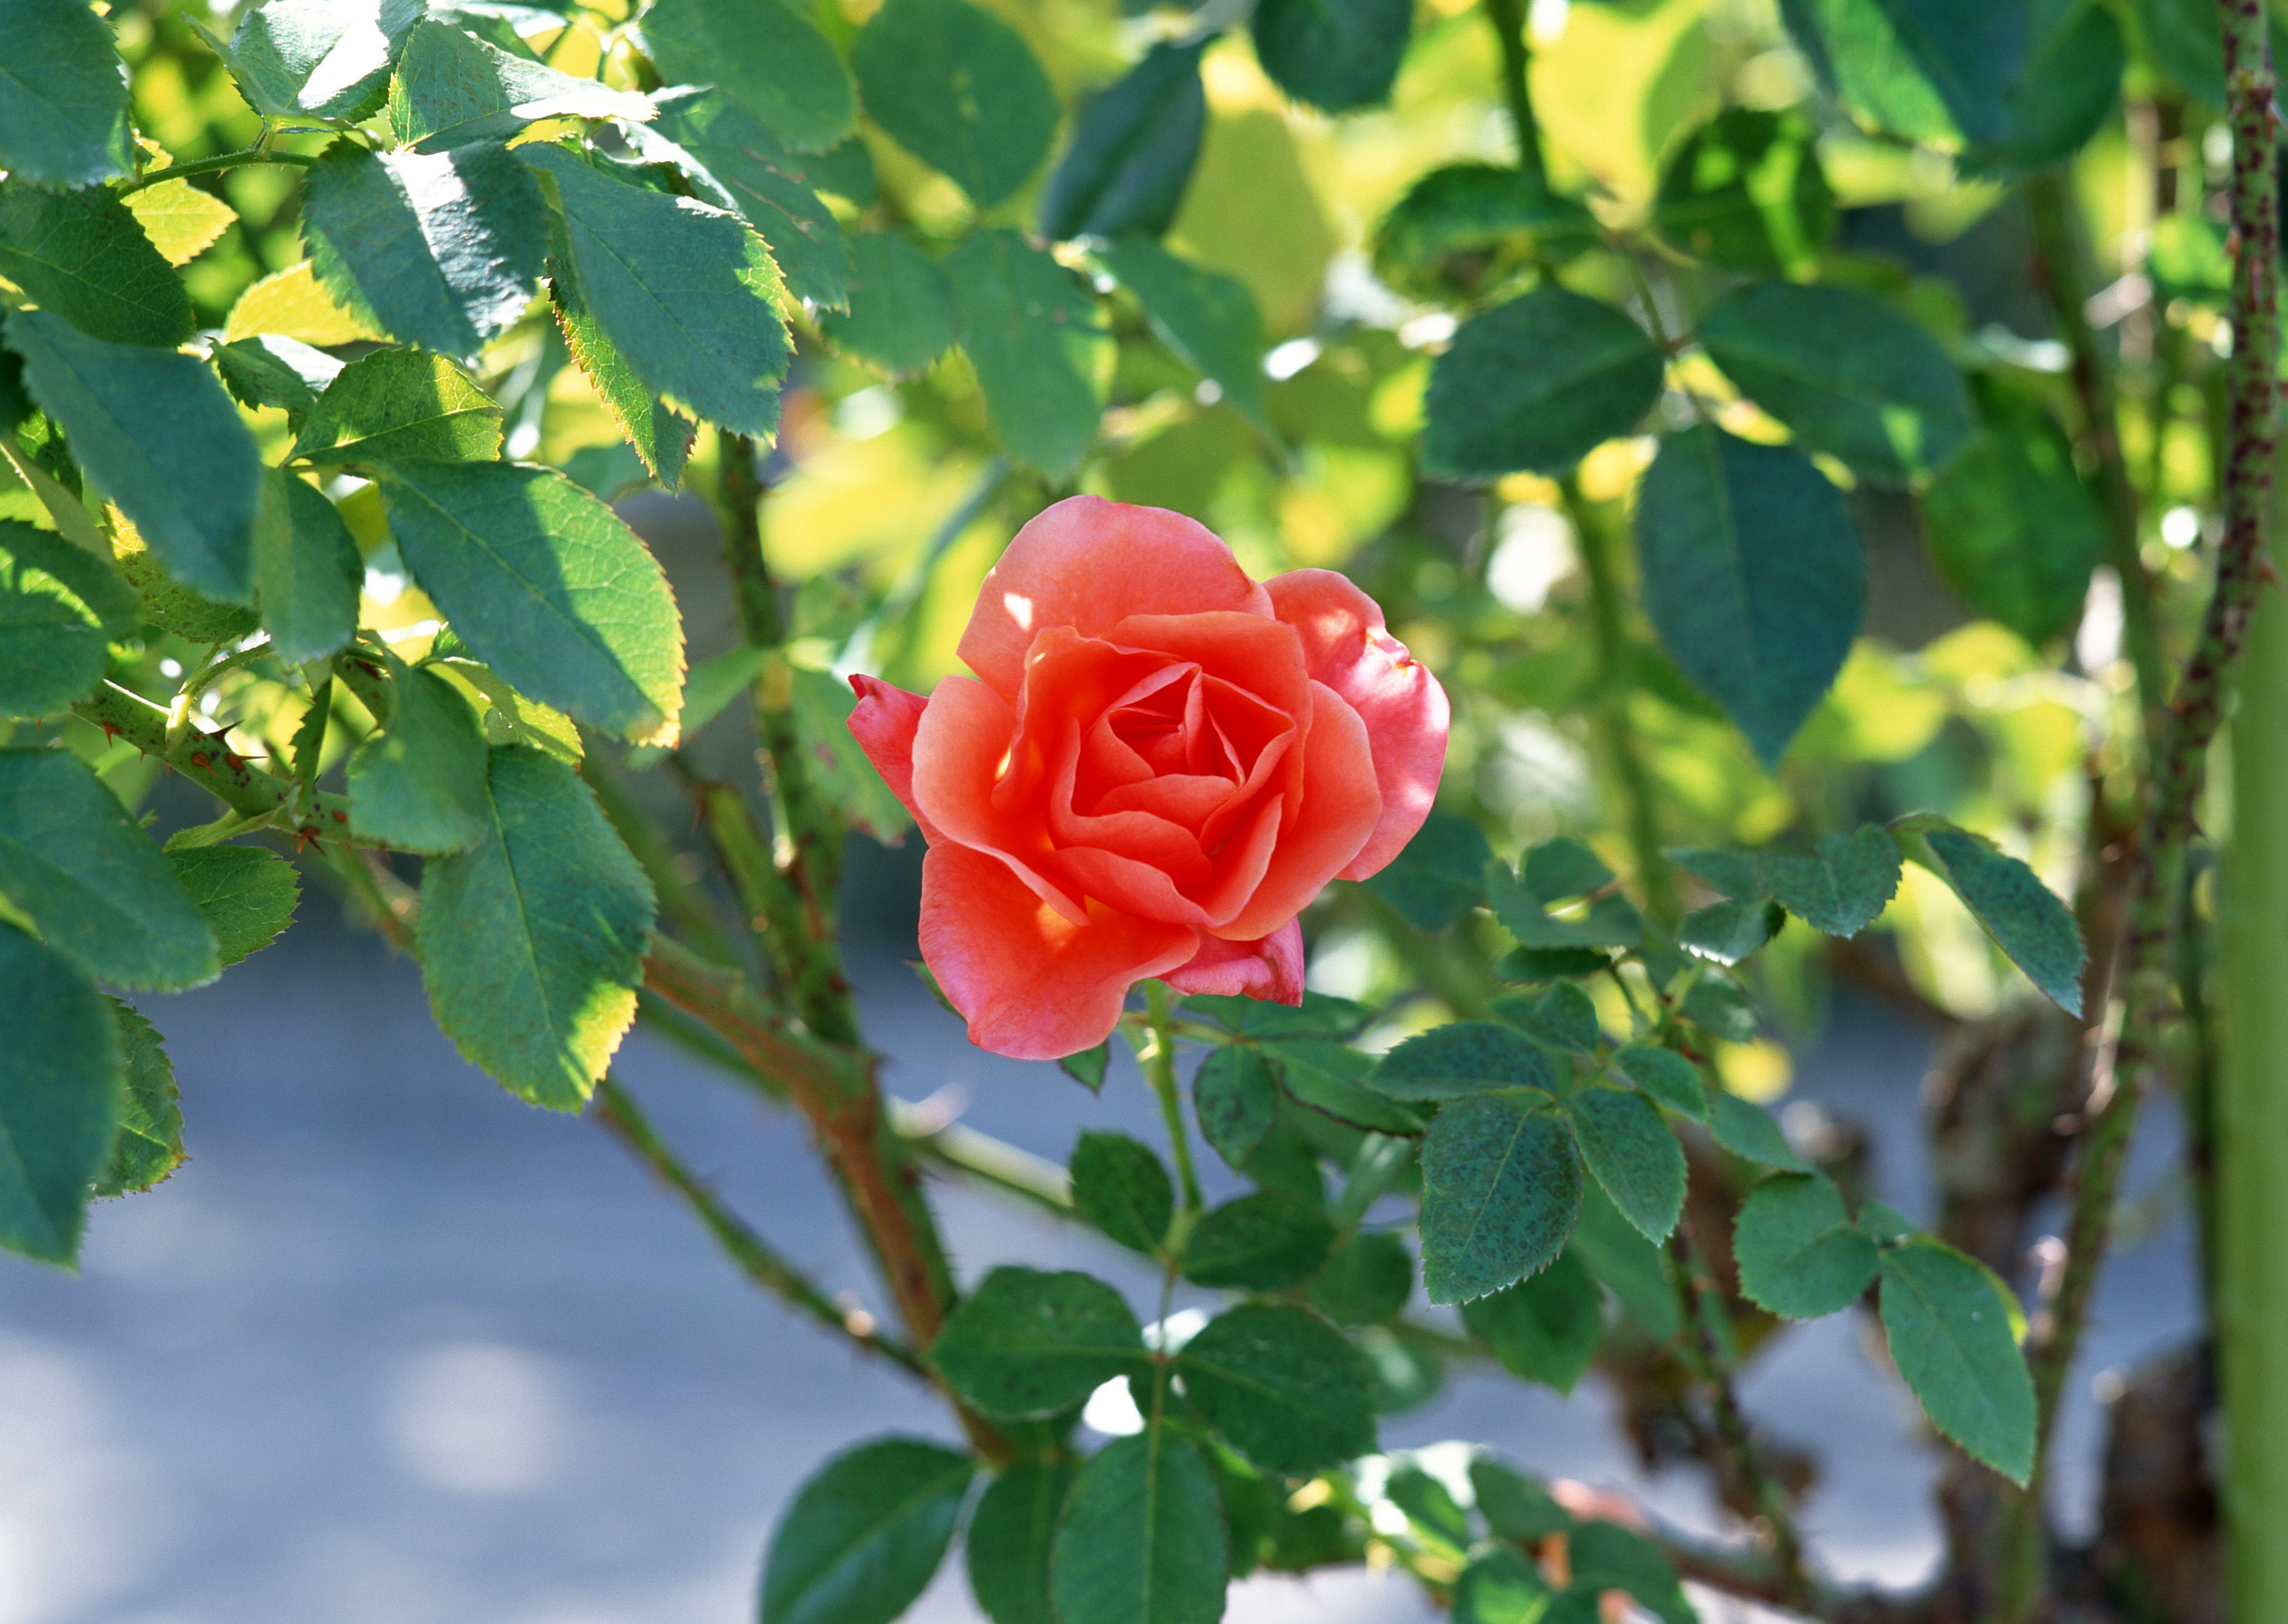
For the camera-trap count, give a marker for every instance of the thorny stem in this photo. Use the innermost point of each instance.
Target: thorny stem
(208, 761)
(1155, 1053)
(2178, 765)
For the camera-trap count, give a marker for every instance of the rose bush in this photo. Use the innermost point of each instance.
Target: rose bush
(1158, 764)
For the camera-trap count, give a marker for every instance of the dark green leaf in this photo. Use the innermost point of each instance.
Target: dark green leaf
(1439, 876)
(1550, 964)
(2069, 85)
(901, 312)
(1747, 1130)
(1536, 384)
(246, 894)
(1009, 1538)
(63, 95)
(1469, 1057)
(731, 154)
(149, 1145)
(328, 57)
(960, 90)
(1545, 1328)
(419, 785)
(1333, 54)
(1607, 1556)
(1665, 1076)
(452, 88)
(1799, 1254)
(85, 256)
(1208, 319)
(1237, 1101)
(1408, 1370)
(1258, 1242)
(1282, 1386)
(1752, 576)
(269, 370)
(846, 169)
(1087, 1066)
(399, 406)
(720, 345)
(1119, 1186)
(2025, 918)
(1516, 1507)
(1930, 70)
(840, 769)
(1729, 931)
(1330, 1077)
(1467, 230)
(1564, 1017)
(773, 63)
(1562, 867)
(159, 435)
(75, 864)
(532, 942)
(1500, 1185)
(1037, 341)
(1716, 1003)
(1317, 1016)
(1841, 888)
(15, 404)
(1132, 148)
(1846, 373)
(1948, 1320)
(1630, 1149)
(1885, 1223)
(1610, 922)
(1142, 1540)
(1030, 1343)
(1500, 1586)
(441, 250)
(307, 574)
(1429, 1506)
(61, 1077)
(1746, 191)
(660, 436)
(547, 586)
(1370, 1277)
(1628, 1266)
(1729, 869)
(865, 1534)
(59, 609)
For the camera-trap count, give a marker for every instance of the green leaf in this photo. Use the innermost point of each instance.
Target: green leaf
(1282, 1386)
(1718, 1005)
(1318, 1015)
(1564, 1017)
(865, 1534)
(269, 370)
(1748, 1131)
(1729, 931)
(846, 169)
(2011, 525)
(157, 431)
(1501, 1184)
(1429, 1505)
(149, 1145)
(775, 63)
(1008, 1539)
(1846, 373)
(1751, 575)
(1237, 1101)
(328, 57)
(1439, 876)
(532, 942)
(1536, 385)
(1842, 887)
(59, 609)
(1607, 1556)
(1550, 964)
(1142, 1540)
(1027, 1343)
(170, 605)
(1610, 922)
(1468, 1057)
(1500, 1586)
(1562, 867)
(1799, 1254)
(397, 406)
(1632, 1268)
(2067, 87)
(720, 345)
(729, 153)
(1664, 1076)
(1631, 1150)
(1132, 148)
(1746, 191)
(1409, 1372)
(1467, 230)
(1086, 1066)
(1209, 320)
(1948, 1320)
(960, 90)
(1368, 1278)
(1258, 1242)
(1930, 70)
(420, 784)
(75, 864)
(660, 436)
(246, 893)
(1545, 1328)
(452, 88)
(839, 770)
(63, 95)
(1038, 343)
(1516, 1507)
(439, 249)
(85, 256)
(2025, 918)
(1330, 1077)
(1119, 1186)
(1727, 869)
(61, 1078)
(901, 314)
(547, 586)
(307, 574)
(1334, 55)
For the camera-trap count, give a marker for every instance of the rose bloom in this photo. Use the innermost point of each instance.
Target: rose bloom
(1158, 764)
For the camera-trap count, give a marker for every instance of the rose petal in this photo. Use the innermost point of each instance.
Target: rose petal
(1141, 836)
(1032, 984)
(961, 747)
(1088, 564)
(883, 722)
(1339, 807)
(1263, 657)
(1346, 647)
(1271, 969)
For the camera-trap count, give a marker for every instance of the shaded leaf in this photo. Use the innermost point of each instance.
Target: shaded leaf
(1132, 148)
(1330, 1077)
(420, 784)
(1607, 1556)
(1948, 1321)
(1748, 1131)
(61, 1087)
(1030, 1343)
(1799, 1254)
(865, 1534)
(307, 574)
(1237, 1099)
(1317, 1016)
(452, 88)
(1610, 922)
(1209, 320)
(1462, 1057)
(1746, 191)
(246, 893)
(660, 436)
(1086, 1068)
(83, 255)
(1729, 931)
(1037, 341)
(1334, 55)
(61, 608)
(1370, 1277)
(1008, 1541)
(1282, 1386)
(1516, 1507)
(839, 770)
(901, 314)
(731, 154)
(1119, 1186)
(1439, 876)
(1842, 887)
(921, 65)
(1536, 384)
(1258, 1242)
(1627, 1265)
(63, 95)
(272, 370)
(149, 1145)
(1564, 1017)
(328, 57)
(775, 63)
(1500, 1185)
(1465, 230)
(1545, 1328)
(1142, 1540)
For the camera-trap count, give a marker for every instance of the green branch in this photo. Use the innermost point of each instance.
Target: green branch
(1508, 18)
(226, 161)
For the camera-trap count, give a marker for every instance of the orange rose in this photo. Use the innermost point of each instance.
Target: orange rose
(1159, 764)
